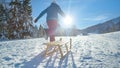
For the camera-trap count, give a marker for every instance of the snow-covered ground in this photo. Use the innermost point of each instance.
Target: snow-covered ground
(93, 51)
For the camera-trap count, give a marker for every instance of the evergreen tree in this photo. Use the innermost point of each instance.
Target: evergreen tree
(41, 31)
(1, 17)
(14, 20)
(20, 19)
(27, 17)
(3, 21)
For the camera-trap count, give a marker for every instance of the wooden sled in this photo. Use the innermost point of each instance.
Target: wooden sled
(55, 46)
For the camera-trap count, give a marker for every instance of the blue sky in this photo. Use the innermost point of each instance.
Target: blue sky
(85, 13)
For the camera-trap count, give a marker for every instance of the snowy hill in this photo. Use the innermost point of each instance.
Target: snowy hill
(93, 51)
(106, 27)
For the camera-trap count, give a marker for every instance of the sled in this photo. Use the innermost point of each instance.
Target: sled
(52, 47)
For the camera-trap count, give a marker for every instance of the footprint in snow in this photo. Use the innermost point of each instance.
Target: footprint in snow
(7, 58)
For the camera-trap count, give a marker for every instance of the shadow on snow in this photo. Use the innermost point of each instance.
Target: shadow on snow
(50, 63)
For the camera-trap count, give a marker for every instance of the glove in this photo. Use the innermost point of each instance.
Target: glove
(35, 20)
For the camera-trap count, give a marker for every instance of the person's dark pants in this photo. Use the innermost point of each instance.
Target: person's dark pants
(52, 26)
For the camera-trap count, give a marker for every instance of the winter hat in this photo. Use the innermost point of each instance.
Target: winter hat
(53, 1)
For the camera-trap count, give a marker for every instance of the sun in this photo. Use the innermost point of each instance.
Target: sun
(67, 21)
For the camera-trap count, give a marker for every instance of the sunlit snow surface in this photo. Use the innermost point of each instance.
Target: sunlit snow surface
(93, 51)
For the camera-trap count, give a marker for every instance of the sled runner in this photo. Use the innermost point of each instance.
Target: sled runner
(52, 47)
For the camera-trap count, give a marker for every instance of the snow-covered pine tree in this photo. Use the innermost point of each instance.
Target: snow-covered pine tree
(20, 19)
(3, 21)
(34, 30)
(41, 31)
(14, 20)
(27, 18)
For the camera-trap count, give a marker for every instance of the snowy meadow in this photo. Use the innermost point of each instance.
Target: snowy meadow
(92, 51)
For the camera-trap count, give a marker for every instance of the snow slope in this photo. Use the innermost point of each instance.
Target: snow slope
(93, 51)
